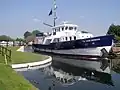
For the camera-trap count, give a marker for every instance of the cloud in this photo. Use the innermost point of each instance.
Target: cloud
(36, 20)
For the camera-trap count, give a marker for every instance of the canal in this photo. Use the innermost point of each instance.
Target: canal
(61, 76)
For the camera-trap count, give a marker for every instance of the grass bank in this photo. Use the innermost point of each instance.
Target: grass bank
(25, 57)
(2, 59)
(10, 80)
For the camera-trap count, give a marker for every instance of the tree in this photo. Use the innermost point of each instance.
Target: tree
(114, 30)
(34, 32)
(30, 38)
(20, 39)
(26, 34)
(5, 38)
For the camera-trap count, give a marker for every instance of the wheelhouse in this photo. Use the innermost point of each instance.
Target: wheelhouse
(66, 32)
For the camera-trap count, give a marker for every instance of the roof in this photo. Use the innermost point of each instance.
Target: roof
(66, 24)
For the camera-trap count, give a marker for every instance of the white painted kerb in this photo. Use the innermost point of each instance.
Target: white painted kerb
(21, 49)
(25, 65)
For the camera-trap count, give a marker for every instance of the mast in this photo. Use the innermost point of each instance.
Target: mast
(54, 12)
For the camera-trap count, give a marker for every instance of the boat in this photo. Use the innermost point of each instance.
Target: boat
(66, 39)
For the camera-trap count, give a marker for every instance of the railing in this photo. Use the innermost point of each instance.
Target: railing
(4, 51)
(117, 44)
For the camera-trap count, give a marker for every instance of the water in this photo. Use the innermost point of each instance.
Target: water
(76, 78)
(61, 76)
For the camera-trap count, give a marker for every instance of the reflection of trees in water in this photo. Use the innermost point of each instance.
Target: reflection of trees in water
(116, 65)
(116, 68)
(74, 75)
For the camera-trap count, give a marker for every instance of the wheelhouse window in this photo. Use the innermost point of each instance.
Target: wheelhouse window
(75, 28)
(56, 40)
(48, 41)
(70, 38)
(70, 28)
(62, 28)
(54, 33)
(63, 39)
(84, 32)
(66, 28)
(66, 38)
(54, 30)
(74, 37)
(58, 29)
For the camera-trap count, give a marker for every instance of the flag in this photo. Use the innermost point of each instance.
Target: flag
(50, 13)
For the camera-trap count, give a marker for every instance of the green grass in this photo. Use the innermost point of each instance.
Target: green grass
(11, 80)
(14, 48)
(2, 59)
(25, 57)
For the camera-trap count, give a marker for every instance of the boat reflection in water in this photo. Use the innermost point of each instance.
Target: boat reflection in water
(68, 75)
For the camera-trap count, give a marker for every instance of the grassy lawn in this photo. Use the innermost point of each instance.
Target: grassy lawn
(10, 80)
(24, 57)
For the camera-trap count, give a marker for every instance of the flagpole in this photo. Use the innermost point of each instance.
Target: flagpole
(54, 11)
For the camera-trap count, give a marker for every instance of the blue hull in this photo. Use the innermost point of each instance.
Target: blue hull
(81, 43)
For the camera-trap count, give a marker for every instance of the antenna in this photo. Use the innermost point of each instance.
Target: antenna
(47, 24)
(54, 15)
(54, 11)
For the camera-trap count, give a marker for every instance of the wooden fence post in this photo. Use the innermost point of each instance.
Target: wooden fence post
(4, 51)
(10, 56)
(7, 43)
(0, 49)
(5, 59)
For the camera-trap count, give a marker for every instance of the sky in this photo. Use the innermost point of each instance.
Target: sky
(95, 16)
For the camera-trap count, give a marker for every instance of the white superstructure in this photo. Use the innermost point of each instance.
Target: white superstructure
(66, 32)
